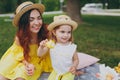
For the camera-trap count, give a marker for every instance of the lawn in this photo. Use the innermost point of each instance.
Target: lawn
(98, 36)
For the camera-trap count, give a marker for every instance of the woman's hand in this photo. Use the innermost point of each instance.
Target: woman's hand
(30, 69)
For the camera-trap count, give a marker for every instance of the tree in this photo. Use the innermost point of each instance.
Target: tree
(113, 4)
(73, 10)
(7, 6)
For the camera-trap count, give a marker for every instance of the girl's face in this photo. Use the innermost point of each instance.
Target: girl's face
(63, 34)
(35, 21)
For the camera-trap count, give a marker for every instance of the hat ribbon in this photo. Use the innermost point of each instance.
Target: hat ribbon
(25, 6)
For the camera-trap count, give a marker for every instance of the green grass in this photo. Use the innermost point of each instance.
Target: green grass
(98, 36)
(7, 32)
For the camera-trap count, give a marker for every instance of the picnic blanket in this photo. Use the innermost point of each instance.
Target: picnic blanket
(90, 73)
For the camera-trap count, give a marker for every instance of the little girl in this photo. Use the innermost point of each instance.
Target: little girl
(63, 54)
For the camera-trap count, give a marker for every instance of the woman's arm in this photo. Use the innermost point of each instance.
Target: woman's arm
(30, 68)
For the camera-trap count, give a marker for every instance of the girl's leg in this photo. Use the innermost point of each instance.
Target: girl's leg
(68, 76)
(52, 75)
(3, 78)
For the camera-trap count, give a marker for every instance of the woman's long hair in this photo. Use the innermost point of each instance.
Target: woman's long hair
(24, 34)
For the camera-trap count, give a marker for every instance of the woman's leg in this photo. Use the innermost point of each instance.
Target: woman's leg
(19, 79)
(3, 78)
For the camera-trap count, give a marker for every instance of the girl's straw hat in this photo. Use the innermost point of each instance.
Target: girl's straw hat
(60, 20)
(24, 7)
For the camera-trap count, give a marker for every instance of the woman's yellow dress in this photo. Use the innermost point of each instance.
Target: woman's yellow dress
(12, 67)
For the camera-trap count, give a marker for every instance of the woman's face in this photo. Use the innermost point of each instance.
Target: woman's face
(63, 34)
(35, 21)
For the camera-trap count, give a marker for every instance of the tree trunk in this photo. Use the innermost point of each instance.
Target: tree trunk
(73, 10)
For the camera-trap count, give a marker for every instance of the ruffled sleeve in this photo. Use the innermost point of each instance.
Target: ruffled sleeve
(16, 51)
(10, 60)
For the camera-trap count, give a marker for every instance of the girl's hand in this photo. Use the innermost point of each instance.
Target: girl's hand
(72, 69)
(50, 44)
(43, 43)
(75, 72)
(30, 69)
(42, 49)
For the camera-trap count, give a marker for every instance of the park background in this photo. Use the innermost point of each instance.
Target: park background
(96, 35)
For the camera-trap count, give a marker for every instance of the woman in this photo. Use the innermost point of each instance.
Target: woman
(20, 61)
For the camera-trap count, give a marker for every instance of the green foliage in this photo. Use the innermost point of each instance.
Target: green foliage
(113, 4)
(10, 6)
(51, 5)
(7, 6)
(97, 36)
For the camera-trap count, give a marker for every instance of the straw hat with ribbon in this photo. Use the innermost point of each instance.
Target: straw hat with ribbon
(60, 20)
(24, 7)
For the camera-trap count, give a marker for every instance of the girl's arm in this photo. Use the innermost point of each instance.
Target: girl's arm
(73, 68)
(75, 60)
(75, 63)
(42, 49)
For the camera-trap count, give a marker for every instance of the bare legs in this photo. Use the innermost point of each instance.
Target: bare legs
(3, 78)
(19, 79)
